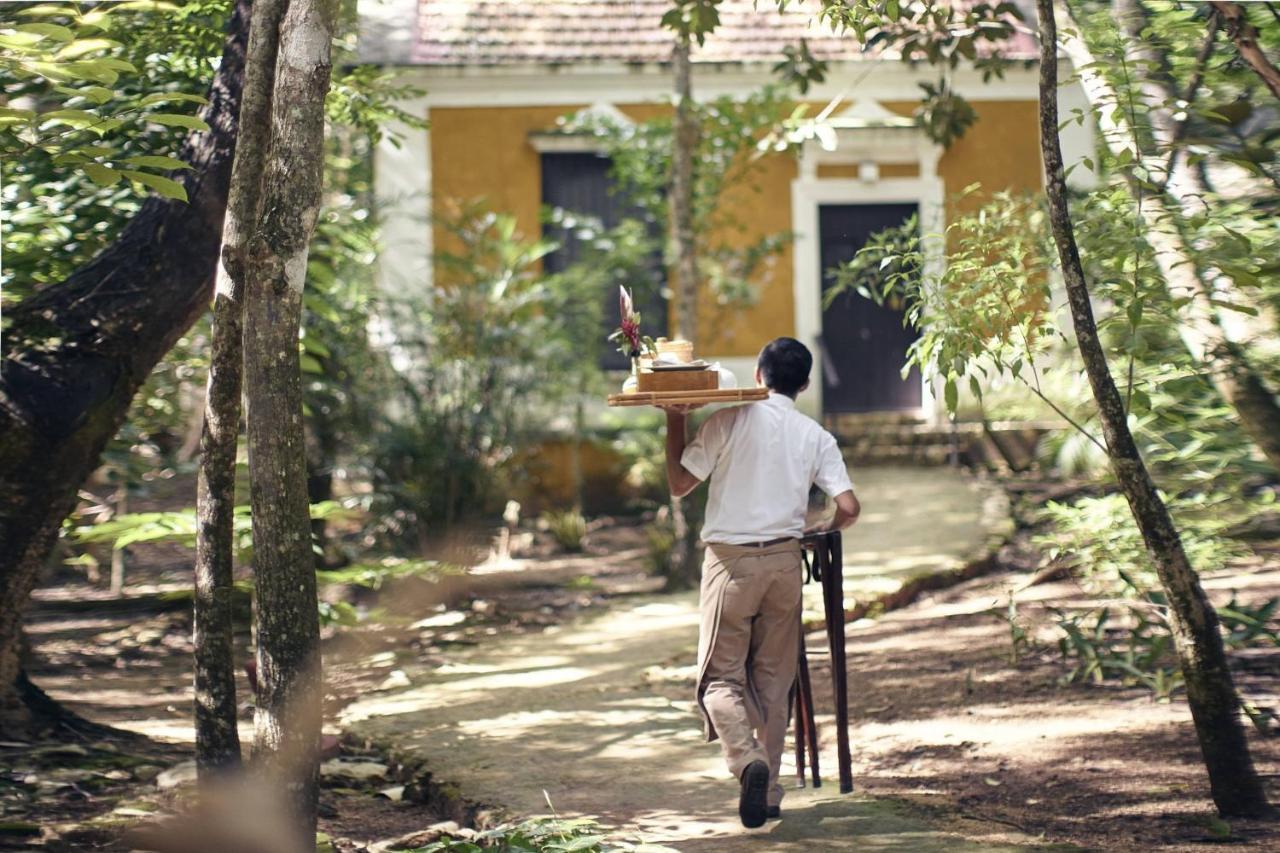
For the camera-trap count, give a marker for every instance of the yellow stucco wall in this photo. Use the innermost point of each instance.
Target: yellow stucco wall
(480, 152)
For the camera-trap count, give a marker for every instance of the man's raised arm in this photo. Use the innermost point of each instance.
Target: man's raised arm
(679, 478)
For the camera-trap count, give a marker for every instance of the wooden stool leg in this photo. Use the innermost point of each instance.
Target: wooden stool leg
(797, 703)
(833, 589)
(810, 724)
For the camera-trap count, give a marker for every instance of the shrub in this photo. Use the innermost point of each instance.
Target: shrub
(661, 541)
(1098, 537)
(1137, 652)
(568, 527)
(546, 835)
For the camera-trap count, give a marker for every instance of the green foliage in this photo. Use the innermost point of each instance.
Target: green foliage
(606, 261)
(944, 35)
(58, 216)
(366, 98)
(1139, 653)
(372, 575)
(544, 835)
(1019, 632)
(978, 293)
(799, 68)
(730, 139)
(1130, 640)
(1098, 537)
(65, 102)
(482, 361)
(1247, 625)
(1224, 117)
(61, 220)
(660, 541)
(944, 115)
(937, 32)
(180, 527)
(568, 527)
(692, 20)
(1132, 643)
(639, 441)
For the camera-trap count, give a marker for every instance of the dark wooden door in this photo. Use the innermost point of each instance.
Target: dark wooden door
(580, 183)
(864, 344)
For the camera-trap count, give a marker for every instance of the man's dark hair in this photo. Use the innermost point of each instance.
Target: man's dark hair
(784, 365)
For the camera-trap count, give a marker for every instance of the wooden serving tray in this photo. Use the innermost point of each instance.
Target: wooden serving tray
(689, 398)
(666, 381)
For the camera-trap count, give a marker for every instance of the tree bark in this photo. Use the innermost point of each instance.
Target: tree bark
(217, 739)
(287, 722)
(1202, 331)
(685, 143)
(1211, 693)
(1245, 36)
(684, 139)
(75, 354)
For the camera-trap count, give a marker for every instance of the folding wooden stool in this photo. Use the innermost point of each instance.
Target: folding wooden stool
(825, 568)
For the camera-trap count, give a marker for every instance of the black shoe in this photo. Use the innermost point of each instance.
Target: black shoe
(774, 813)
(753, 803)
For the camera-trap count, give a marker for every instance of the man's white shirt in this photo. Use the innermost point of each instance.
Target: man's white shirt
(762, 460)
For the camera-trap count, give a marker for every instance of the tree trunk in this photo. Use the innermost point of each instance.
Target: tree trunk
(322, 446)
(75, 354)
(1202, 331)
(1211, 693)
(685, 142)
(287, 722)
(1245, 36)
(217, 740)
(119, 507)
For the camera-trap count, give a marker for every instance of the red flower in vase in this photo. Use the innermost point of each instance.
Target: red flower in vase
(630, 341)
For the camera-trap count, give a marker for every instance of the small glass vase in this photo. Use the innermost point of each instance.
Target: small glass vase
(633, 381)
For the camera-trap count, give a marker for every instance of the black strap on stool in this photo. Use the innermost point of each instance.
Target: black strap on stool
(827, 569)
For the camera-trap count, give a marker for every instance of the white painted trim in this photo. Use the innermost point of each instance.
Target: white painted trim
(402, 190)
(807, 195)
(566, 143)
(518, 86)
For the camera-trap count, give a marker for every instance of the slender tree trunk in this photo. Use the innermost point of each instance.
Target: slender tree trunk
(684, 140)
(75, 354)
(1215, 707)
(322, 447)
(1202, 331)
(685, 143)
(1245, 36)
(217, 739)
(287, 722)
(120, 506)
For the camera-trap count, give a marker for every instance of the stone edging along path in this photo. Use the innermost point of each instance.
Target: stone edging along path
(595, 716)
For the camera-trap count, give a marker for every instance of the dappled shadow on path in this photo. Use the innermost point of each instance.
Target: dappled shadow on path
(943, 716)
(599, 721)
(845, 823)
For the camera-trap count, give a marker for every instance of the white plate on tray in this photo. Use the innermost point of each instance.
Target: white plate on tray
(692, 365)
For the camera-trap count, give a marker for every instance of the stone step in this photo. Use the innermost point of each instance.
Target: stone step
(999, 448)
(897, 437)
(928, 456)
(857, 421)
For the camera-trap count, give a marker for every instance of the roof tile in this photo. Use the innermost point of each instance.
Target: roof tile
(570, 32)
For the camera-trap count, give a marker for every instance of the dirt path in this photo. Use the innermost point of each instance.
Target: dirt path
(596, 716)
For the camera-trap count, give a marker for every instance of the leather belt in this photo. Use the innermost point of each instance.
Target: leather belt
(770, 542)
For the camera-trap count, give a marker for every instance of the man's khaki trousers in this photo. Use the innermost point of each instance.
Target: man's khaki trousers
(748, 650)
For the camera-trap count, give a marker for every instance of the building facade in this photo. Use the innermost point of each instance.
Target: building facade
(498, 76)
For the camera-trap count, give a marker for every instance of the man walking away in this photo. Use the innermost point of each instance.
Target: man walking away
(762, 459)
